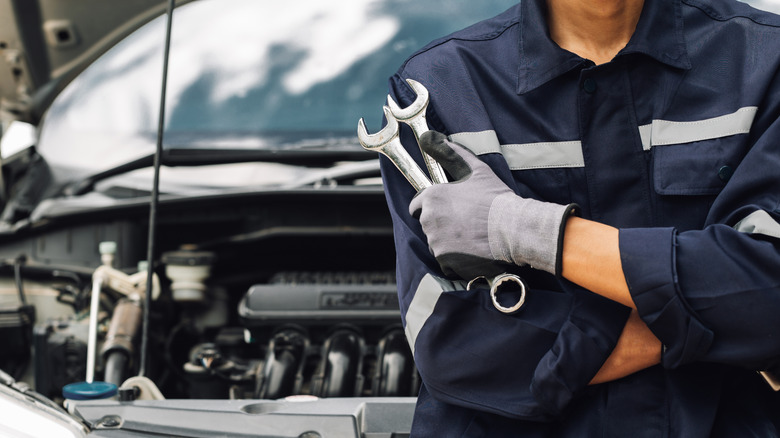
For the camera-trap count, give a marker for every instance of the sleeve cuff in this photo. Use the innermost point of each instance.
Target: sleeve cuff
(571, 210)
(649, 266)
(580, 349)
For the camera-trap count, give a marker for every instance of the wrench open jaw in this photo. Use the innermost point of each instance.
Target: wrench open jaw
(386, 142)
(414, 116)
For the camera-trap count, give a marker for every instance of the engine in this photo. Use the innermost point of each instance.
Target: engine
(326, 334)
(269, 307)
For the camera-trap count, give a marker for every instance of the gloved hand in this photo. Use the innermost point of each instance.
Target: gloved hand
(476, 220)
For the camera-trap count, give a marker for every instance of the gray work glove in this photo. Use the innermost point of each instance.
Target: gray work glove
(476, 220)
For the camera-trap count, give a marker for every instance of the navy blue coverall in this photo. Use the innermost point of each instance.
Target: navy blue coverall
(676, 142)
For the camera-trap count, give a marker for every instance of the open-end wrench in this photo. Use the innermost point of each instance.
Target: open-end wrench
(414, 116)
(386, 142)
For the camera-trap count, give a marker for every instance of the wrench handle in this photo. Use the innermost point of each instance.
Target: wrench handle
(395, 151)
(419, 125)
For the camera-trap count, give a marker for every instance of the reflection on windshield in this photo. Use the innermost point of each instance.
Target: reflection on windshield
(225, 50)
(267, 73)
(326, 39)
(190, 179)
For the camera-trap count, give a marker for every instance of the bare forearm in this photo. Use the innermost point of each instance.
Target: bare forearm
(591, 259)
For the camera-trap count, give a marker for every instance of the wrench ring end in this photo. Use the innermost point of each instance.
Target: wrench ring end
(494, 293)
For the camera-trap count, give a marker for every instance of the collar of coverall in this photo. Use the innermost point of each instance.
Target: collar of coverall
(659, 34)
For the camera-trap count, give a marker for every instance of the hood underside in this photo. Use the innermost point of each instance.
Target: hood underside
(45, 43)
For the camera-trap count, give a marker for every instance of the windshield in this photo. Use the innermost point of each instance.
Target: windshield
(246, 74)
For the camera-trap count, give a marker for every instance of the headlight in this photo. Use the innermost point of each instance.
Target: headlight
(24, 416)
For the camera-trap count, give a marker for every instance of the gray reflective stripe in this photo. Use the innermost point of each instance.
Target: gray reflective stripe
(483, 142)
(425, 298)
(569, 153)
(665, 132)
(526, 155)
(759, 222)
(645, 133)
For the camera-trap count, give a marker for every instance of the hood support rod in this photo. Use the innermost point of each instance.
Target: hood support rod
(155, 197)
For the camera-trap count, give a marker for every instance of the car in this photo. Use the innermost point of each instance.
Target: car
(273, 309)
(229, 271)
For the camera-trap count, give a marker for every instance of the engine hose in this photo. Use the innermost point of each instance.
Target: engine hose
(283, 365)
(395, 367)
(119, 347)
(116, 367)
(340, 370)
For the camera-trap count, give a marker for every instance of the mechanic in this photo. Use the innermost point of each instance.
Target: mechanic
(626, 167)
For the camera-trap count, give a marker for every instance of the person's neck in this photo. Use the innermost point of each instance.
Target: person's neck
(593, 29)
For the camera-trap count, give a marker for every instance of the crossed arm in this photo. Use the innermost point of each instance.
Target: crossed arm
(591, 259)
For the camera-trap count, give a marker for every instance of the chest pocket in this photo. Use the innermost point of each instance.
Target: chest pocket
(698, 168)
(699, 157)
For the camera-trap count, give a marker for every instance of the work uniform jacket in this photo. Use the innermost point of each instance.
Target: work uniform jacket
(676, 142)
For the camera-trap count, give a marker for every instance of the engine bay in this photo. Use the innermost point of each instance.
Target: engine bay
(261, 295)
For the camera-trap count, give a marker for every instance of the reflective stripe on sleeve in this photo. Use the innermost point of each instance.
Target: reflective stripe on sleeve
(759, 222)
(665, 132)
(425, 298)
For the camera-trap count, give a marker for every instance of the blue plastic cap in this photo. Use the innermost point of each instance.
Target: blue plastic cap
(89, 391)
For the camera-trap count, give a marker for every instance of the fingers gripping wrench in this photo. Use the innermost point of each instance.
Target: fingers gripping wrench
(387, 142)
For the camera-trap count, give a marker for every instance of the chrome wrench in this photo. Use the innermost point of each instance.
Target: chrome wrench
(495, 283)
(414, 116)
(386, 142)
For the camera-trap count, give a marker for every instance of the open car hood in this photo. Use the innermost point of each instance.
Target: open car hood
(44, 44)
